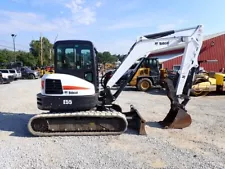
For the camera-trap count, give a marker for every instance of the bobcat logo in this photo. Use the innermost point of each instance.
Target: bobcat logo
(162, 43)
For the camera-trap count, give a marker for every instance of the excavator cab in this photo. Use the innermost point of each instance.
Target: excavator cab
(77, 58)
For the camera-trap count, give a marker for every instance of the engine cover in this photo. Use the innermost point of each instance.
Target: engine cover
(65, 85)
(62, 92)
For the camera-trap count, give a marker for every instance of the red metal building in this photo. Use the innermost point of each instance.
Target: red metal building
(213, 48)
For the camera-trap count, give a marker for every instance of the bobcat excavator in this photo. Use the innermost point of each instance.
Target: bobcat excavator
(77, 107)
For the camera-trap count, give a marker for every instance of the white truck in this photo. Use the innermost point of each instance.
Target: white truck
(7, 75)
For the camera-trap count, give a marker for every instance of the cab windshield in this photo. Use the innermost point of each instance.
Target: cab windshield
(74, 56)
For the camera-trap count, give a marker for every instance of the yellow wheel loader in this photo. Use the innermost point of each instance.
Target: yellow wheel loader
(147, 76)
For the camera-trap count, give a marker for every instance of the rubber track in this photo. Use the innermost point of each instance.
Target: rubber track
(105, 114)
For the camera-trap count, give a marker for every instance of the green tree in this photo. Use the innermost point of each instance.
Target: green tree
(7, 56)
(35, 50)
(106, 57)
(27, 58)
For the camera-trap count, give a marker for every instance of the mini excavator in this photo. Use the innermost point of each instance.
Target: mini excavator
(75, 104)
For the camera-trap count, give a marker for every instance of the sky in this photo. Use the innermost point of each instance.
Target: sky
(112, 25)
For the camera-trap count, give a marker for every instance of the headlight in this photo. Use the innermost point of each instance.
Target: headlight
(42, 84)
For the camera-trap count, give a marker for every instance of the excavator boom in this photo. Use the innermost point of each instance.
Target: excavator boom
(145, 45)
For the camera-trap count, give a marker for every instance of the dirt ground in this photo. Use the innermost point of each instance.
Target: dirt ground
(201, 145)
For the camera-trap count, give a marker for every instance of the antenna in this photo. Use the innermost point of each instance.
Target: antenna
(41, 50)
(56, 38)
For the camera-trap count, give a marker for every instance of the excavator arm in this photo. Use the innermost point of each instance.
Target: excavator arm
(178, 88)
(145, 45)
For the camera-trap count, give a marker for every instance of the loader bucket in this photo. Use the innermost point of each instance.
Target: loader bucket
(177, 118)
(135, 121)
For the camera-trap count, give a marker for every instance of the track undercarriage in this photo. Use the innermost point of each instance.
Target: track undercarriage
(80, 123)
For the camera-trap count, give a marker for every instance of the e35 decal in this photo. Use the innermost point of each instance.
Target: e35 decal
(67, 102)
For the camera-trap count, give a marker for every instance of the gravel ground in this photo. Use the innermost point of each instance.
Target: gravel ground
(202, 145)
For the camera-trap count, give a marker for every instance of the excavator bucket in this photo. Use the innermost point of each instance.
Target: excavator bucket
(177, 118)
(135, 121)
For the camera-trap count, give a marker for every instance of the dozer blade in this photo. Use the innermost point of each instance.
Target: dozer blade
(135, 121)
(78, 123)
(177, 118)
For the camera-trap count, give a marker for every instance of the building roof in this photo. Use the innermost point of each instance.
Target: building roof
(207, 37)
(180, 46)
